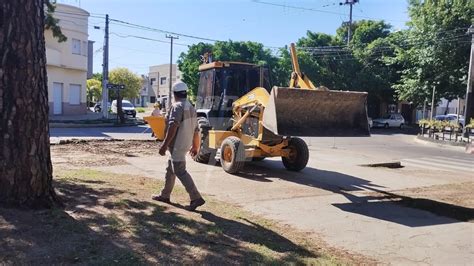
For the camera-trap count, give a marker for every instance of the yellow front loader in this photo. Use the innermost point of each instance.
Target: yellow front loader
(268, 124)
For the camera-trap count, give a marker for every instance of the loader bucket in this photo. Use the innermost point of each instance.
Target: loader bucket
(314, 113)
(158, 125)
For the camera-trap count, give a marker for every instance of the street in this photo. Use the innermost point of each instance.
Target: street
(393, 215)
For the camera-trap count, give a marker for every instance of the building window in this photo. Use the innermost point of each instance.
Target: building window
(152, 80)
(162, 80)
(84, 48)
(152, 99)
(76, 46)
(74, 94)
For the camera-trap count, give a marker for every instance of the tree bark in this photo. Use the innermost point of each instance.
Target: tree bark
(25, 160)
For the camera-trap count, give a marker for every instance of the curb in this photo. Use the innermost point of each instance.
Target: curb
(105, 139)
(78, 125)
(442, 144)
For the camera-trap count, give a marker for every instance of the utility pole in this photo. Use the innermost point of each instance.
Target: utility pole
(424, 109)
(169, 36)
(433, 102)
(349, 31)
(105, 71)
(469, 112)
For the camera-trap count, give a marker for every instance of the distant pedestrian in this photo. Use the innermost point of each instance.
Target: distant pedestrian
(181, 136)
(157, 111)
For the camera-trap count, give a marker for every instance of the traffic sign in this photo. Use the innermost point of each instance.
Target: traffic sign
(112, 86)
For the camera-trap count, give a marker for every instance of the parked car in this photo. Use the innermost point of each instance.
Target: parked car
(454, 117)
(390, 120)
(127, 107)
(98, 107)
(451, 118)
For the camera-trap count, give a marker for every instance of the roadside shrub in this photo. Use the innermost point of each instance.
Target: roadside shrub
(471, 124)
(140, 110)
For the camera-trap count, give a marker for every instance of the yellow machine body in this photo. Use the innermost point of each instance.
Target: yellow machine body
(301, 109)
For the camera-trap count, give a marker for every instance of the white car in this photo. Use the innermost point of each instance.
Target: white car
(127, 108)
(453, 117)
(390, 120)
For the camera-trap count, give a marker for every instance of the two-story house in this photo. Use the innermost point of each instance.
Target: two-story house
(159, 78)
(67, 62)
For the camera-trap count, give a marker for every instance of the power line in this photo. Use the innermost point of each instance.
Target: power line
(315, 10)
(92, 15)
(164, 31)
(145, 38)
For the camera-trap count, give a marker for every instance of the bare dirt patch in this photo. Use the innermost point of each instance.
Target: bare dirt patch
(100, 152)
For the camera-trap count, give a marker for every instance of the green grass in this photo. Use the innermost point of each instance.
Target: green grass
(110, 219)
(140, 110)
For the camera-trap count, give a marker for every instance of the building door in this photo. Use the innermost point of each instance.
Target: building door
(57, 98)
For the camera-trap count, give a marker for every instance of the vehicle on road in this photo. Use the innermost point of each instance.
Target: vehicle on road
(240, 119)
(127, 107)
(454, 117)
(389, 120)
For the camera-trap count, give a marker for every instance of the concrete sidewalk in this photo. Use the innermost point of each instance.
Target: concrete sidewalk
(331, 199)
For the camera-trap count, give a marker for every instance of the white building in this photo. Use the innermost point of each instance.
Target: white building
(159, 78)
(67, 62)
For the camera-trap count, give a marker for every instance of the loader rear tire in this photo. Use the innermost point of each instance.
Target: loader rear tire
(205, 153)
(299, 155)
(232, 155)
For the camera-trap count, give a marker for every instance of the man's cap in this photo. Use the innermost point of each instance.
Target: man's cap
(179, 87)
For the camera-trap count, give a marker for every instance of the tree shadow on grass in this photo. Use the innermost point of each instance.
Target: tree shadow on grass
(105, 225)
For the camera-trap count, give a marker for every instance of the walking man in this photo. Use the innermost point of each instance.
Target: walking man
(181, 136)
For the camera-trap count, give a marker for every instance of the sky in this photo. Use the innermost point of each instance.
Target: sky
(275, 23)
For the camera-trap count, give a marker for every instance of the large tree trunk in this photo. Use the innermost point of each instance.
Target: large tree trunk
(25, 162)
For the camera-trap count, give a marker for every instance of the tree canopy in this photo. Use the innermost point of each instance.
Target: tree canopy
(435, 50)
(94, 89)
(131, 81)
(250, 52)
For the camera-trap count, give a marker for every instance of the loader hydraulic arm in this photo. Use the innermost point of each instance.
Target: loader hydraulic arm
(298, 79)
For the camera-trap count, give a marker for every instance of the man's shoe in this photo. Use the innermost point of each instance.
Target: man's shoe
(195, 203)
(161, 198)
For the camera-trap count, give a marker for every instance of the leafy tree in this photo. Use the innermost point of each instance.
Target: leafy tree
(25, 168)
(97, 76)
(51, 23)
(371, 44)
(367, 31)
(435, 52)
(131, 81)
(189, 62)
(250, 52)
(94, 90)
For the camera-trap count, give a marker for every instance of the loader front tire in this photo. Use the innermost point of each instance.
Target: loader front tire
(232, 155)
(299, 155)
(205, 153)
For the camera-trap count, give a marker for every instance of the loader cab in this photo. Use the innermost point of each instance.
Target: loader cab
(221, 83)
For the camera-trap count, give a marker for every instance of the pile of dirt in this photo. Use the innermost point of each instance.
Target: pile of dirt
(101, 152)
